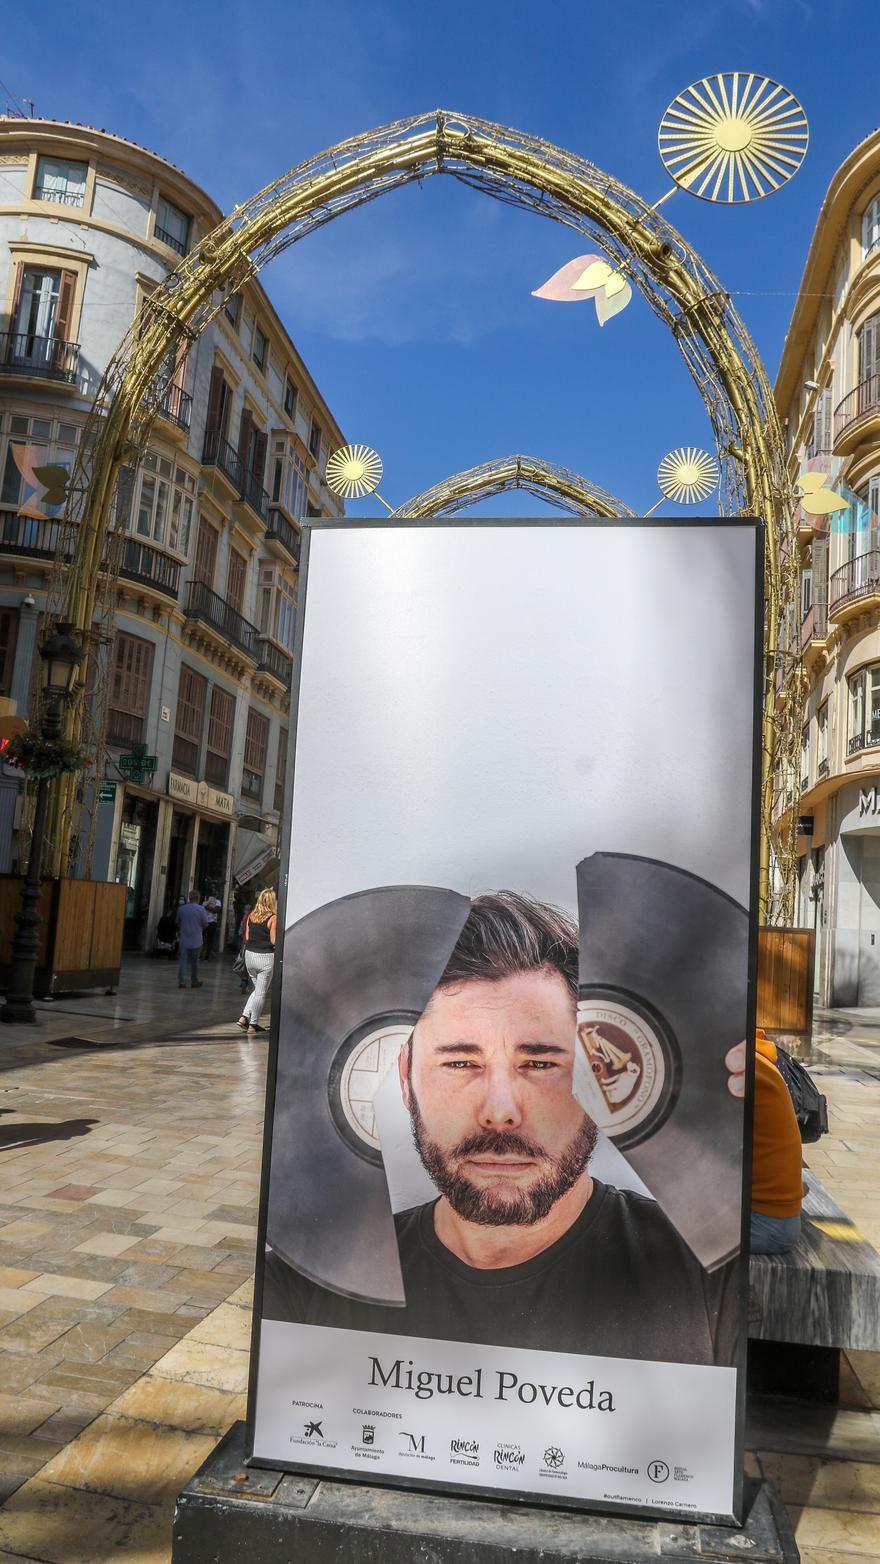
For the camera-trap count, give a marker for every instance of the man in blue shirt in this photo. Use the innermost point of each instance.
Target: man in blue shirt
(192, 920)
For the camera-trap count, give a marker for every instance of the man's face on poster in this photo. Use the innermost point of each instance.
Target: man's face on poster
(487, 1080)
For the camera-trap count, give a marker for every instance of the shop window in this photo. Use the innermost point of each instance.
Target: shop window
(256, 743)
(129, 702)
(281, 769)
(189, 720)
(60, 181)
(8, 638)
(220, 719)
(863, 725)
(172, 226)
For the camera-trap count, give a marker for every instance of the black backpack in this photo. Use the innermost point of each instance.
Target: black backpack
(811, 1108)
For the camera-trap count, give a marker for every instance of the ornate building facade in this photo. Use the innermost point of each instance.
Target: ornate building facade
(828, 395)
(198, 661)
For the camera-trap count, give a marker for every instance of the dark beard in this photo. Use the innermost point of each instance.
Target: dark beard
(494, 1207)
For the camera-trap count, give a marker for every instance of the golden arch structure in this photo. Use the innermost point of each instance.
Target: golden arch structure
(523, 171)
(558, 486)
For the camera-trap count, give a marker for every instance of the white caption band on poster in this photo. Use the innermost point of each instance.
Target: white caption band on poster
(608, 1430)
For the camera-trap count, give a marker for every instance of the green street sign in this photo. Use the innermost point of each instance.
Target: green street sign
(107, 793)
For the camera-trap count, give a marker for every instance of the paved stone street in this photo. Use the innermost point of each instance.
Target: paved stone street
(129, 1179)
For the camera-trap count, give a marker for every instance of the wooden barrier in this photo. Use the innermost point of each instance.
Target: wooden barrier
(785, 980)
(80, 933)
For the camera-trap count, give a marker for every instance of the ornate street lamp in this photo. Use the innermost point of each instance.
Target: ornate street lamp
(61, 655)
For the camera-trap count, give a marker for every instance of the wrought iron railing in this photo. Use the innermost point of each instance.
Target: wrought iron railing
(274, 660)
(60, 197)
(254, 495)
(814, 625)
(864, 399)
(29, 535)
(859, 577)
(176, 406)
(21, 353)
(283, 532)
(856, 743)
(218, 452)
(202, 603)
(822, 768)
(169, 239)
(143, 562)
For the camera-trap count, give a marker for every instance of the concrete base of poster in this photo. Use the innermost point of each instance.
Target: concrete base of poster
(229, 1514)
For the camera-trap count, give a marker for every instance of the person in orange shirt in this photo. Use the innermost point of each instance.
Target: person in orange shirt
(777, 1176)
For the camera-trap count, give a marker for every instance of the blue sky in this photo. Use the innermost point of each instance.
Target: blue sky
(415, 313)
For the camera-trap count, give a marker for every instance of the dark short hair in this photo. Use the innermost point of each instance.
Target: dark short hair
(507, 933)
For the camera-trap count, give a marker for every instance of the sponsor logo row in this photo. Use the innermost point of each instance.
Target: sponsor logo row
(504, 1456)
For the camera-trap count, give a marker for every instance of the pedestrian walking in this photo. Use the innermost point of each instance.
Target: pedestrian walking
(213, 907)
(191, 921)
(259, 958)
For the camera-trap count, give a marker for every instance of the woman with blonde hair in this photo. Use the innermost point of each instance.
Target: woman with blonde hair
(259, 958)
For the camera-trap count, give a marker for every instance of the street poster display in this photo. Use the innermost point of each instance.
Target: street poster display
(505, 1180)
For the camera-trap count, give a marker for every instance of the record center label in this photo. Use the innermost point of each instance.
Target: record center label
(365, 1069)
(628, 1074)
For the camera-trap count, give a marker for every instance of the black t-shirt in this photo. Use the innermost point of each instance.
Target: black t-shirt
(620, 1283)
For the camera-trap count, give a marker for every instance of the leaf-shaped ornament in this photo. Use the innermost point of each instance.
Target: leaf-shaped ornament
(822, 502)
(594, 276)
(607, 308)
(560, 286)
(809, 482)
(54, 479)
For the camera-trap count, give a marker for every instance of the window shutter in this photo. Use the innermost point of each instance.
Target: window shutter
(215, 398)
(235, 579)
(206, 553)
(868, 346)
(260, 443)
(244, 436)
(825, 420)
(64, 313)
(16, 298)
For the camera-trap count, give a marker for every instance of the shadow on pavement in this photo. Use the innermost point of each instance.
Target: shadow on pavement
(36, 1134)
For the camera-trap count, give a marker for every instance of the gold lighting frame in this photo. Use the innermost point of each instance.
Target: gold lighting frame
(558, 486)
(524, 171)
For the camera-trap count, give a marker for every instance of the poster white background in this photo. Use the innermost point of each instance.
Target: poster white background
(626, 728)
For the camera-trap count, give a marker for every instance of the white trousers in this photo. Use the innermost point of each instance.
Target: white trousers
(259, 964)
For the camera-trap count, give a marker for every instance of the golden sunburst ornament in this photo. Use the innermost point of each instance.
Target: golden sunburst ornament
(688, 475)
(734, 137)
(353, 471)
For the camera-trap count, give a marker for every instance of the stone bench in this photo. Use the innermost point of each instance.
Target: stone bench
(805, 1306)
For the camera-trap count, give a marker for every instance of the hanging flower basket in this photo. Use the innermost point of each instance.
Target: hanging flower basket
(39, 757)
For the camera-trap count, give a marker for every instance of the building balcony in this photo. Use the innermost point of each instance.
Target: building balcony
(274, 660)
(219, 453)
(227, 623)
(254, 495)
(857, 417)
(284, 534)
(176, 407)
(151, 567)
(855, 586)
(822, 769)
(31, 536)
(814, 627)
(47, 358)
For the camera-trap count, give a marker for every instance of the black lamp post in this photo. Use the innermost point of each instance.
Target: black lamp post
(61, 655)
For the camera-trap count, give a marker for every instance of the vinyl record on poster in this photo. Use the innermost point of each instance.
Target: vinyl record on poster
(662, 997)
(358, 973)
